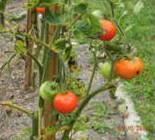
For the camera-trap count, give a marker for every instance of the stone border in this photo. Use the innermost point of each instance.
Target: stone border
(132, 121)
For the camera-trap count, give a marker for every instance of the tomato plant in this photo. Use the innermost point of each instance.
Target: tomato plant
(49, 47)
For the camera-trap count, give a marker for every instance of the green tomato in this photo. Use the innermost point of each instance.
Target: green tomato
(97, 13)
(105, 69)
(48, 90)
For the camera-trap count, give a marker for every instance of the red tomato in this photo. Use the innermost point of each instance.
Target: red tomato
(109, 28)
(65, 102)
(40, 10)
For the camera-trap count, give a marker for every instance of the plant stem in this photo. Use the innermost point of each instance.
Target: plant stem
(93, 73)
(120, 29)
(39, 42)
(112, 8)
(40, 114)
(39, 66)
(34, 126)
(30, 37)
(19, 108)
(7, 62)
(74, 21)
(83, 105)
(113, 15)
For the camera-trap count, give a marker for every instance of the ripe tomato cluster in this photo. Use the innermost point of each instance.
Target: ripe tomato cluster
(125, 68)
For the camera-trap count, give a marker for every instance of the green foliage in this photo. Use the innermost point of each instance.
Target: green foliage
(65, 120)
(138, 7)
(50, 131)
(86, 28)
(76, 85)
(55, 18)
(81, 124)
(20, 47)
(52, 2)
(81, 8)
(101, 109)
(3, 5)
(97, 119)
(32, 3)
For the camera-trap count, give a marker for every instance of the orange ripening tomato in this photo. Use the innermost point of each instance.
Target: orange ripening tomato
(65, 102)
(128, 68)
(40, 10)
(109, 28)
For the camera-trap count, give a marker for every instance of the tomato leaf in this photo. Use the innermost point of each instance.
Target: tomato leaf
(81, 8)
(20, 47)
(55, 18)
(88, 27)
(60, 45)
(3, 4)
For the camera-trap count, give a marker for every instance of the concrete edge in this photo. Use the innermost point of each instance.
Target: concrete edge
(132, 121)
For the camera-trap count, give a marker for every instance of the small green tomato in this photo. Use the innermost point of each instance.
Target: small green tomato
(105, 69)
(48, 90)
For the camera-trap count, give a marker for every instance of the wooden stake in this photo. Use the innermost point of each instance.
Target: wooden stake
(50, 75)
(28, 59)
(52, 69)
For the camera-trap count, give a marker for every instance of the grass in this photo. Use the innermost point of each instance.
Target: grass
(142, 89)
